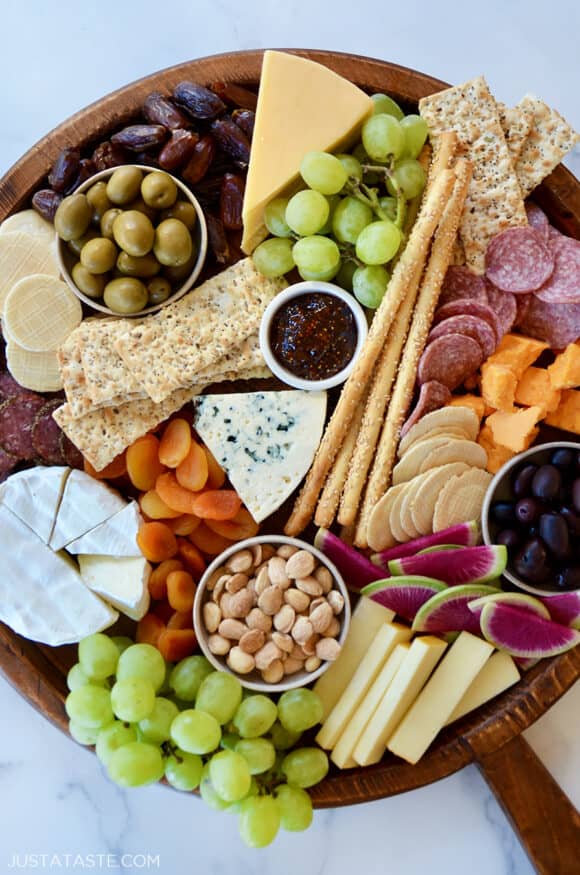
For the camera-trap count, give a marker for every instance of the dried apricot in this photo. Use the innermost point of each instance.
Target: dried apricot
(158, 579)
(209, 542)
(192, 473)
(173, 494)
(176, 644)
(191, 557)
(175, 443)
(163, 610)
(217, 504)
(116, 468)
(242, 526)
(143, 465)
(180, 590)
(156, 541)
(216, 474)
(149, 628)
(153, 506)
(184, 525)
(181, 620)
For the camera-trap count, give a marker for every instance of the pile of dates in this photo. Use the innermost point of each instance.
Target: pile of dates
(200, 135)
(540, 525)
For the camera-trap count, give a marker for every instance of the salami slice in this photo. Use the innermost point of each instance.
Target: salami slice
(522, 305)
(464, 306)
(503, 305)
(472, 326)
(71, 455)
(538, 220)
(449, 360)
(460, 282)
(517, 260)
(46, 436)
(7, 463)
(9, 388)
(432, 396)
(556, 324)
(563, 286)
(17, 418)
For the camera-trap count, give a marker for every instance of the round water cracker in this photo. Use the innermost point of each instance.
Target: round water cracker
(38, 371)
(449, 433)
(410, 493)
(461, 499)
(410, 464)
(379, 534)
(469, 452)
(29, 222)
(427, 494)
(396, 515)
(40, 312)
(20, 256)
(446, 417)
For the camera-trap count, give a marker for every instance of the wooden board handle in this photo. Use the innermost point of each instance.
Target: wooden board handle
(547, 823)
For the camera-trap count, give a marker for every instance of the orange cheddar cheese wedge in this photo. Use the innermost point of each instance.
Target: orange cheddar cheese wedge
(515, 430)
(496, 454)
(476, 403)
(536, 388)
(498, 385)
(564, 373)
(517, 352)
(567, 415)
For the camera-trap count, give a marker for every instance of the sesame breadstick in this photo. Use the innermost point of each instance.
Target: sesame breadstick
(330, 497)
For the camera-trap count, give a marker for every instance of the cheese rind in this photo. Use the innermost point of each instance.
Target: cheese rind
(498, 673)
(115, 537)
(121, 581)
(34, 495)
(85, 504)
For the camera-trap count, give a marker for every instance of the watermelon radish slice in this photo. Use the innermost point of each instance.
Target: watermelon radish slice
(523, 634)
(455, 567)
(438, 547)
(448, 611)
(516, 599)
(403, 595)
(355, 568)
(564, 608)
(463, 534)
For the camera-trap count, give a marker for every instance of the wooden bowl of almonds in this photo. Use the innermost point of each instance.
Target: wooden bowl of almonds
(274, 611)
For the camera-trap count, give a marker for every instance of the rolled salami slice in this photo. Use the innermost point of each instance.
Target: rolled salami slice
(17, 417)
(449, 360)
(563, 286)
(464, 306)
(7, 463)
(538, 220)
(460, 282)
(432, 396)
(517, 260)
(472, 326)
(46, 436)
(556, 324)
(503, 305)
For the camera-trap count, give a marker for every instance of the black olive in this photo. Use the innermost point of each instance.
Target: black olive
(572, 519)
(509, 538)
(576, 494)
(554, 533)
(503, 512)
(563, 458)
(522, 483)
(546, 482)
(569, 578)
(528, 510)
(531, 563)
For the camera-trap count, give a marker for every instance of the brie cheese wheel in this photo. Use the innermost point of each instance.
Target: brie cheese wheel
(35, 495)
(265, 441)
(86, 503)
(117, 536)
(122, 581)
(42, 596)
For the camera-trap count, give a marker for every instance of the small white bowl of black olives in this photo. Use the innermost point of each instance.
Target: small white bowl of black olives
(130, 240)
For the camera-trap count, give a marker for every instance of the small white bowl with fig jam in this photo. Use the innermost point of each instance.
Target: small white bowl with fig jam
(311, 335)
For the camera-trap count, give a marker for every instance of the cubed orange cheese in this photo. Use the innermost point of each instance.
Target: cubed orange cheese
(496, 454)
(476, 403)
(515, 430)
(498, 385)
(564, 373)
(567, 416)
(535, 388)
(517, 352)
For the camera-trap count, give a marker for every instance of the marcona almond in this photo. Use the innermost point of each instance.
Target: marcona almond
(291, 666)
(262, 580)
(309, 647)
(336, 601)
(218, 645)
(257, 619)
(328, 649)
(321, 617)
(267, 552)
(312, 663)
(297, 652)
(271, 600)
(284, 619)
(236, 582)
(286, 550)
(240, 561)
(332, 629)
(213, 579)
(211, 616)
(309, 585)
(220, 587)
(252, 640)
(225, 604)
(274, 673)
(256, 554)
(240, 661)
(277, 571)
(324, 577)
(232, 629)
(300, 564)
(267, 654)
(296, 599)
(302, 630)
(283, 641)
(315, 602)
(240, 604)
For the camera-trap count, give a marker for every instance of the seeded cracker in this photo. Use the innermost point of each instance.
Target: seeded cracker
(516, 123)
(171, 348)
(494, 201)
(550, 138)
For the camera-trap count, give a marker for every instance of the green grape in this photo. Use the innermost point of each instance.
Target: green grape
(229, 740)
(77, 678)
(333, 200)
(82, 734)
(135, 764)
(305, 766)
(275, 217)
(229, 774)
(89, 706)
(409, 176)
(236, 807)
(344, 276)
(299, 709)
(112, 737)
(415, 130)
(273, 257)
(369, 285)
(165, 688)
(295, 808)
(350, 217)
(282, 739)
(195, 731)
(98, 656)
(307, 211)
(121, 642)
(255, 716)
(360, 154)
(142, 661)
(383, 137)
(317, 255)
(259, 821)
(388, 205)
(378, 242)
(208, 793)
(133, 699)
(323, 172)
(156, 727)
(313, 276)
(186, 677)
(385, 105)
(219, 695)
(259, 753)
(352, 166)
(183, 770)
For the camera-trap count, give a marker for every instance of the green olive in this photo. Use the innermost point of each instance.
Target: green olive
(178, 274)
(124, 184)
(89, 283)
(172, 246)
(184, 211)
(97, 197)
(72, 217)
(133, 232)
(159, 290)
(159, 190)
(125, 295)
(145, 266)
(77, 244)
(99, 255)
(140, 205)
(107, 222)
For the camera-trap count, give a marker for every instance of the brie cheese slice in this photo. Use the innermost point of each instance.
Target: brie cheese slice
(86, 503)
(117, 536)
(35, 495)
(122, 581)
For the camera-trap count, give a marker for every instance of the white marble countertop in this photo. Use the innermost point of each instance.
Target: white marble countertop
(55, 800)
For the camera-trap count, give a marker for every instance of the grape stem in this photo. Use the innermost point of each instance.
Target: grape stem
(372, 198)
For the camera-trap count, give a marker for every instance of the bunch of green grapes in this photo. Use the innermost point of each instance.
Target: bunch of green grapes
(199, 729)
(348, 224)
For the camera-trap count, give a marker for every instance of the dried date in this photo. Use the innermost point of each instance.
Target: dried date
(236, 94)
(200, 161)
(64, 170)
(245, 119)
(178, 150)
(86, 170)
(46, 202)
(198, 102)
(231, 201)
(160, 111)
(140, 138)
(208, 190)
(107, 155)
(218, 242)
(231, 139)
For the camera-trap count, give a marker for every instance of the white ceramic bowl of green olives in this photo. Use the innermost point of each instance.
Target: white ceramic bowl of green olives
(130, 240)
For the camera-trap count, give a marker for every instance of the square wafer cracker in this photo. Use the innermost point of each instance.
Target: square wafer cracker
(169, 350)
(516, 123)
(550, 138)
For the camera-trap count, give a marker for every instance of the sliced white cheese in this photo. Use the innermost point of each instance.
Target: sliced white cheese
(498, 673)
(35, 495)
(86, 503)
(122, 581)
(42, 596)
(115, 537)
(265, 441)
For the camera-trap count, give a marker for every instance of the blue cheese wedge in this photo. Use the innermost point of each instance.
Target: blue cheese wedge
(42, 596)
(121, 581)
(265, 441)
(117, 536)
(34, 496)
(86, 503)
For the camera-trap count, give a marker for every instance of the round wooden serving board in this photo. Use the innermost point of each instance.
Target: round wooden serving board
(489, 737)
